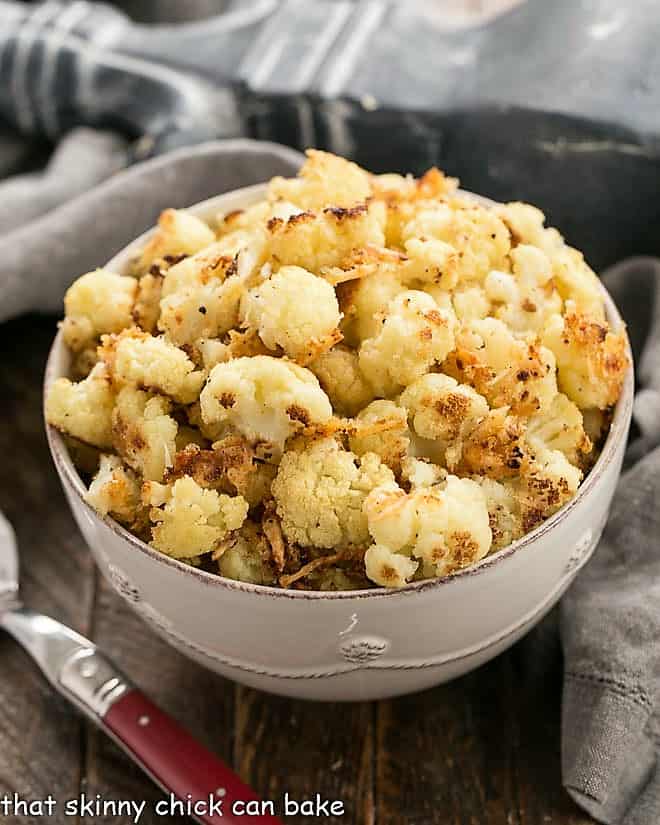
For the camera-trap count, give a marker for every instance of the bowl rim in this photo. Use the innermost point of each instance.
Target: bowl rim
(617, 433)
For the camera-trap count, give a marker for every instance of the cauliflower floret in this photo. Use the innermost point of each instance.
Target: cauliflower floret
(116, 490)
(339, 374)
(177, 233)
(146, 309)
(294, 310)
(526, 298)
(549, 481)
(213, 264)
(414, 335)
(503, 511)
(201, 311)
(404, 195)
(265, 398)
(363, 262)
(84, 409)
(152, 363)
(96, 303)
(387, 567)
(525, 223)
(243, 556)
(479, 238)
(420, 472)
(578, 283)
(190, 520)
(445, 527)
(324, 180)
(430, 261)
(560, 427)
(364, 302)
(143, 433)
(236, 344)
(319, 491)
(507, 371)
(591, 360)
(470, 304)
(382, 428)
(442, 409)
(494, 447)
(324, 239)
(230, 466)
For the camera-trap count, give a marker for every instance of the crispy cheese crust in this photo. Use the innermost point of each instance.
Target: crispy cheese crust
(360, 380)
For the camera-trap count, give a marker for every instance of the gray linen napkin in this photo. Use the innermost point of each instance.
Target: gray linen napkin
(610, 618)
(42, 257)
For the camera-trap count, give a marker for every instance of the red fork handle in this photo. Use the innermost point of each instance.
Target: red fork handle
(179, 764)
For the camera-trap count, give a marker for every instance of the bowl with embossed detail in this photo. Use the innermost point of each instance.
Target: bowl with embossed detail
(355, 644)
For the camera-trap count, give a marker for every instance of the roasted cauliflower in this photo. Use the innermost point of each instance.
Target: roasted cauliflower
(358, 380)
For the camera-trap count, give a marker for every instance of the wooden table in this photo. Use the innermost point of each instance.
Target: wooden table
(483, 750)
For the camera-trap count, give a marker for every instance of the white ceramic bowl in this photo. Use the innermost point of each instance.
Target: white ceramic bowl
(366, 644)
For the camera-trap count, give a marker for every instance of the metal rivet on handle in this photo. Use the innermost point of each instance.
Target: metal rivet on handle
(88, 669)
(221, 792)
(143, 721)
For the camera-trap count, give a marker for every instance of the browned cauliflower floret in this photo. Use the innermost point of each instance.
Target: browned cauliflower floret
(548, 482)
(495, 447)
(324, 239)
(415, 335)
(504, 511)
(506, 370)
(591, 359)
(146, 309)
(445, 527)
(324, 180)
(339, 374)
(152, 363)
(382, 428)
(190, 520)
(143, 432)
(364, 262)
(295, 311)
(229, 466)
(443, 410)
(404, 195)
(178, 233)
(480, 239)
(235, 344)
(84, 409)
(319, 491)
(115, 489)
(432, 261)
(244, 556)
(560, 427)
(96, 303)
(264, 398)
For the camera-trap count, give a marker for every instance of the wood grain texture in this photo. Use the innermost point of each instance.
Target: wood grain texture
(483, 750)
(40, 738)
(303, 748)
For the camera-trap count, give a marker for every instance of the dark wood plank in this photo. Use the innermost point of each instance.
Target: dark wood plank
(447, 755)
(538, 675)
(40, 735)
(199, 699)
(304, 748)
